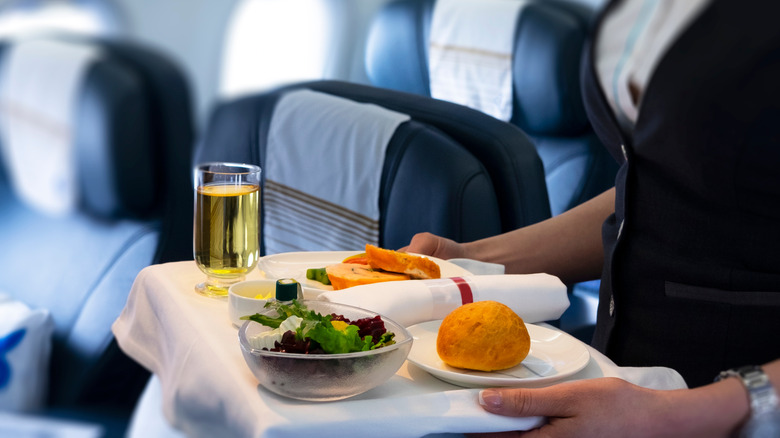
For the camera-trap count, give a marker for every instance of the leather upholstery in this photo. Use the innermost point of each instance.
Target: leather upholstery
(133, 137)
(547, 102)
(449, 170)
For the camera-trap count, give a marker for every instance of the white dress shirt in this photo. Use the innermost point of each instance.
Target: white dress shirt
(630, 43)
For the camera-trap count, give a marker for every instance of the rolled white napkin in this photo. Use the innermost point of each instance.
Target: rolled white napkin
(535, 297)
(478, 267)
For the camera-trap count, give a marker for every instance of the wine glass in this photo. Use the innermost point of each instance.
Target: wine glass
(226, 224)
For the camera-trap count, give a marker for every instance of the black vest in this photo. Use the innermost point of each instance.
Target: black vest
(692, 280)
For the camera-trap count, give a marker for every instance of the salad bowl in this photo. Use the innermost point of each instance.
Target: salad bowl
(328, 376)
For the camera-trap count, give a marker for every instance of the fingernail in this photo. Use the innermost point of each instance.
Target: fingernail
(490, 398)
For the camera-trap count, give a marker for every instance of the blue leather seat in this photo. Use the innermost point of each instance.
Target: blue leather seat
(547, 104)
(449, 169)
(132, 136)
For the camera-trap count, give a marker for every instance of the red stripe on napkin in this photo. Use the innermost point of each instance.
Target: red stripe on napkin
(465, 290)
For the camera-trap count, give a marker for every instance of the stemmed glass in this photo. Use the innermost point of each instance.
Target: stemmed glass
(226, 224)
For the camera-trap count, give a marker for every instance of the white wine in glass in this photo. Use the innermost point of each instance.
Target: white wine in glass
(226, 224)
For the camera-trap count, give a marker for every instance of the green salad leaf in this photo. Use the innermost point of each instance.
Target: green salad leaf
(337, 341)
(388, 338)
(320, 329)
(285, 311)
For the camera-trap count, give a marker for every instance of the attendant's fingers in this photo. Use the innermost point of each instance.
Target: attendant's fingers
(522, 402)
(423, 243)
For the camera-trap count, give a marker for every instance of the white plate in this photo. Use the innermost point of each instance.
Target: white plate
(554, 355)
(295, 264)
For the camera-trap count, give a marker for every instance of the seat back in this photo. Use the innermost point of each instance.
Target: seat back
(432, 172)
(115, 126)
(546, 102)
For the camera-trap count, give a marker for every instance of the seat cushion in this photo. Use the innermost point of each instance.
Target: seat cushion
(81, 269)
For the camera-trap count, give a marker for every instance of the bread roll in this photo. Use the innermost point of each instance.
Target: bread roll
(395, 261)
(483, 336)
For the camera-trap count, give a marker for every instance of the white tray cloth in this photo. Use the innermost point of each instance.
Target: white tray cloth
(189, 343)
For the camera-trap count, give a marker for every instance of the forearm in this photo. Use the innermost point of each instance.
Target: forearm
(614, 407)
(721, 408)
(568, 246)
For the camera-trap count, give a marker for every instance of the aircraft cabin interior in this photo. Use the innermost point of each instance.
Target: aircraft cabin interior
(332, 133)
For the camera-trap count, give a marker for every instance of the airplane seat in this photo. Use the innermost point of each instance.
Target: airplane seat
(318, 145)
(546, 101)
(95, 151)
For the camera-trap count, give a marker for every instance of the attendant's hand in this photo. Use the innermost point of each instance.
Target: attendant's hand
(436, 246)
(611, 407)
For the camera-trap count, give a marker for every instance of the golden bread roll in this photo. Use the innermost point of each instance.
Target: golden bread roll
(484, 336)
(344, 275)
(395, 261)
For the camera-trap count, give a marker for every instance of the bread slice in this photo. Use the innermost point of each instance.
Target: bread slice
(344, 275)
(395, 261)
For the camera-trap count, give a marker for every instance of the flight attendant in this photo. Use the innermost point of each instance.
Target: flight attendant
(685, 94)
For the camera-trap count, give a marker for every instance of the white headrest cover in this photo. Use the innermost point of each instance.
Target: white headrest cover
(323, 172)
(40, 83)
(470, 53)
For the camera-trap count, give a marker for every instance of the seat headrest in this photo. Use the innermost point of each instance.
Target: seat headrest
(545, 61)
(340, 172)
(349, 170)
(86, 128)
(238, 129)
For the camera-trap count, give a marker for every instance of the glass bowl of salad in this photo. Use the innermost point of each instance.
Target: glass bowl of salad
(322, 351)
